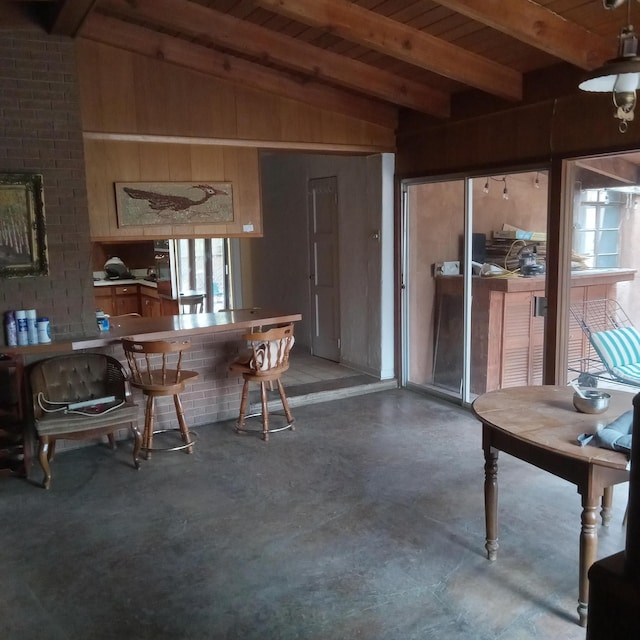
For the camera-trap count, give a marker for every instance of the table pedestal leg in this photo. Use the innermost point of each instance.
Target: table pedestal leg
(491, 501)
(588, 551)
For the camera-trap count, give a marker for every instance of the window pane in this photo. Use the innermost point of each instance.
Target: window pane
(608, 242)
(606, 262)
(610, 218)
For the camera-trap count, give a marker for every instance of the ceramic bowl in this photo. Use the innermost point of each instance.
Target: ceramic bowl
(596, 401)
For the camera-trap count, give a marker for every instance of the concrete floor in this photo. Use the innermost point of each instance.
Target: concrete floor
(366, 522)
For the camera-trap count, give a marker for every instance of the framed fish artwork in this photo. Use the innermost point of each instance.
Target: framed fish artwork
(161, 203)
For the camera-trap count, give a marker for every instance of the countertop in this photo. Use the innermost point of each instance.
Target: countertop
(119, 283)
(164, 327)
(586, 277)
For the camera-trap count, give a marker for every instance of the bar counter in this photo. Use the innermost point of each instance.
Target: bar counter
(161, 328)
(216, 339)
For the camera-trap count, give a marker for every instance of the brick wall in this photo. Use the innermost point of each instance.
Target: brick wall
(40, 132)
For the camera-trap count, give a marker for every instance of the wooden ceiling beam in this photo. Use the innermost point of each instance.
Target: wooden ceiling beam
(70, 15)
(539, 27)
(392, 38)
(264, 44)
(198, 58)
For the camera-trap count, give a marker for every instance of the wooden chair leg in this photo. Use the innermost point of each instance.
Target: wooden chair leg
(265, 411)
(44, 457)
(285, 405)
(112, 441)
(148, 425)
(184, 430)
(243, 406)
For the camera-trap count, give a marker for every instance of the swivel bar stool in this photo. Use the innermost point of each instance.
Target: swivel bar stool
(265, 361)
(156, 369)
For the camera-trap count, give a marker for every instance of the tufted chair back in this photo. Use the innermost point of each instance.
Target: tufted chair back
(77, 377)
(90, 378)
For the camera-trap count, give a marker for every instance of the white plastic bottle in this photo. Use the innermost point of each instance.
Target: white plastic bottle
(21, 322)
(44, 332)
(32, 329)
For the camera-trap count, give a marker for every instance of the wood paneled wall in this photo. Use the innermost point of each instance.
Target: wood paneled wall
(108, 162)
(123, 92)
(577, 125)
(146, 120)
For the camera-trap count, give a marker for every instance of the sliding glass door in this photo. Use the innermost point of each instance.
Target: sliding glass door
(474, 256)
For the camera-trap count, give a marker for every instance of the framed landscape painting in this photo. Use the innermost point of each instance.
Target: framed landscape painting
(149, 203)
(23, 250)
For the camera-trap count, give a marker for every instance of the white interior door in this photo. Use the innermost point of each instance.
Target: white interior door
(324, 268)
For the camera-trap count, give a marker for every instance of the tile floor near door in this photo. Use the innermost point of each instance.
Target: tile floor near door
(366, 522)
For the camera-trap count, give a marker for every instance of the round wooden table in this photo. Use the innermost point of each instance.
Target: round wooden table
(539, 425)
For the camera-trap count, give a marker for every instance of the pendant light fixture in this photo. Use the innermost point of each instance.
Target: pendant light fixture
(619, 76)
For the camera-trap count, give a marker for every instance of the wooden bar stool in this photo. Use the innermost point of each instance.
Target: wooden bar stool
(156, 369)
(265, 361)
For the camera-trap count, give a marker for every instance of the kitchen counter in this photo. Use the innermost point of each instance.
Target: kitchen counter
(117, 283)
(167, 327)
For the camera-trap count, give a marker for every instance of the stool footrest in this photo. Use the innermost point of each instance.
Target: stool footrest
(259, 429)
(179, 447)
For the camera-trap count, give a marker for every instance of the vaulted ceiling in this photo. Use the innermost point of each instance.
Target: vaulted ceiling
(362, 57)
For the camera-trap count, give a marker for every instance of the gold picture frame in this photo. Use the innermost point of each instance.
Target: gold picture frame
(162, 203)
(23, 247)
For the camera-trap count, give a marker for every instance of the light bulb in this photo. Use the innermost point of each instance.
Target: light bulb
(536, 182)
(486, 186)
(505, 193)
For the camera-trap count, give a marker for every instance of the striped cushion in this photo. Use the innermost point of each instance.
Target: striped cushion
(617, 347)
(628, 373)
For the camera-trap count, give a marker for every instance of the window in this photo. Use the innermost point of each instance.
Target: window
(202, 268)
(596, 228)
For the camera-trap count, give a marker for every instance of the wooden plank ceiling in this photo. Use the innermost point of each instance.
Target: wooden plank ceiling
(362, 56)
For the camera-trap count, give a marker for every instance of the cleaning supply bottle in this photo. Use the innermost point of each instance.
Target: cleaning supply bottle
(11, 328)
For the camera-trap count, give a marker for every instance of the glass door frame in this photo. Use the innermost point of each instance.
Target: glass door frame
(549, 351)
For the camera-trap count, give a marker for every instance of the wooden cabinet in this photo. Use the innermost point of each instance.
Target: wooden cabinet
(118, 300)
(507, 337)
(150, 305)
(169, 307)
(104, 300)
(126, 299)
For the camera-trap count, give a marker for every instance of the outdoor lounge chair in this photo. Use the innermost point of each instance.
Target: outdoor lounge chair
(613, 349)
